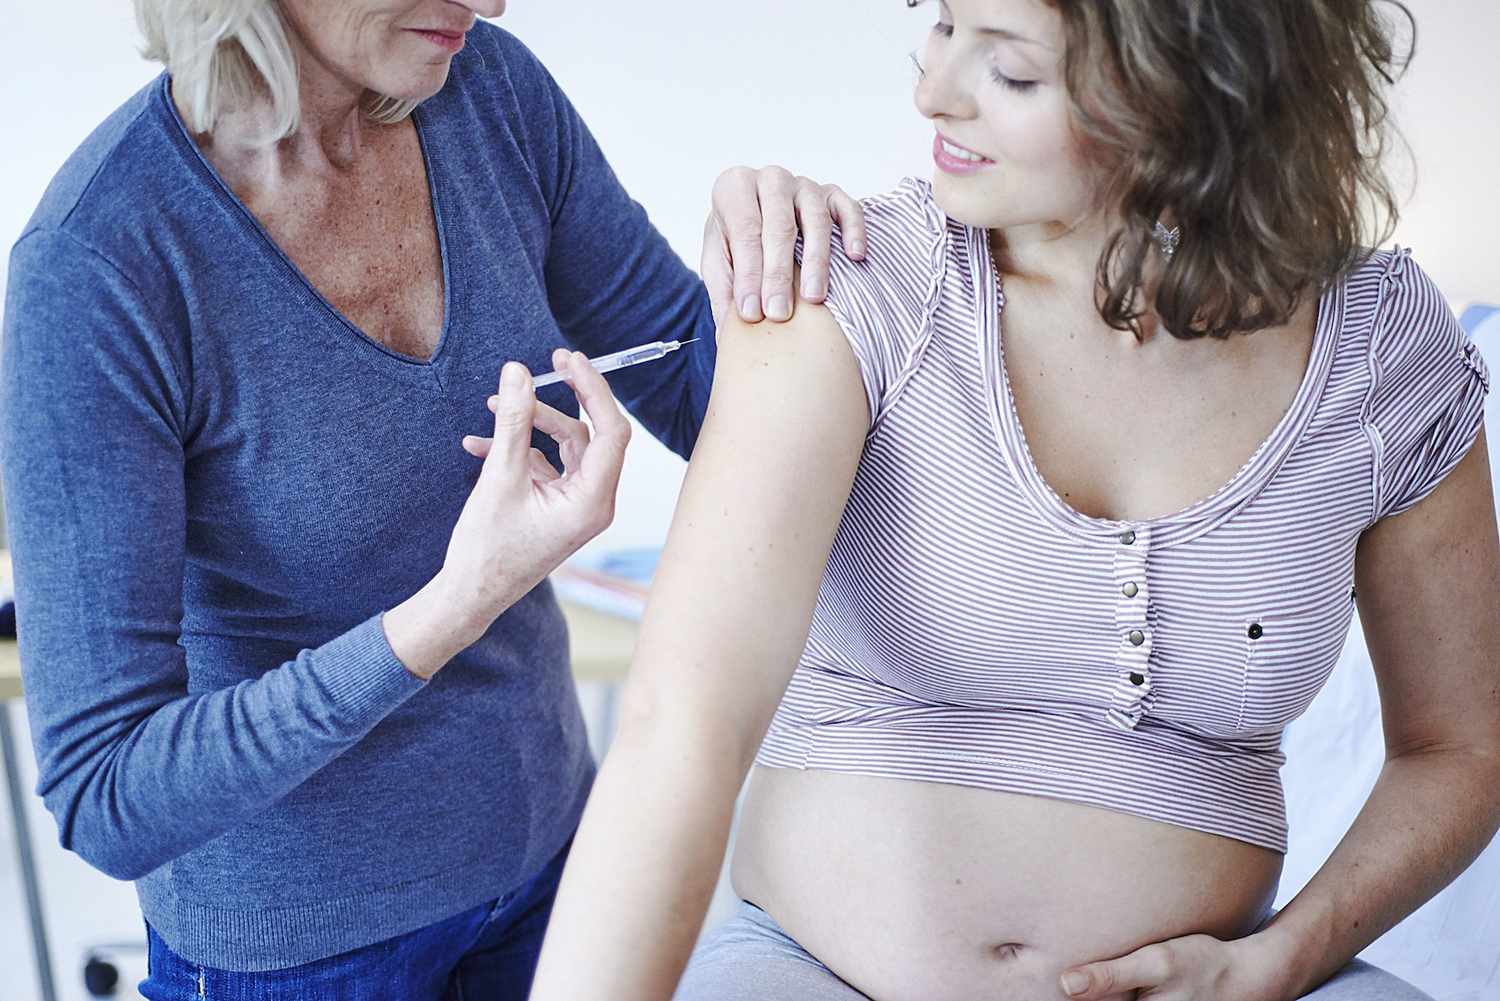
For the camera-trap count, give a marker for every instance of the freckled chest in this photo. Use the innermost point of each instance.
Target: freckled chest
(367, 241)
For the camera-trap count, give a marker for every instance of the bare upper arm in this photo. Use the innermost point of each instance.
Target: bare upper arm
(734, 591)
(1429, 600)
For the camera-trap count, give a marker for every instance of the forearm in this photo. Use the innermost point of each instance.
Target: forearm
(642, 870)
(728, 616)
(432, 627)
(1427, 818)
(135, 780)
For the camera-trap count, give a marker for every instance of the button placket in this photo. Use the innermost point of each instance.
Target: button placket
(1130, 697)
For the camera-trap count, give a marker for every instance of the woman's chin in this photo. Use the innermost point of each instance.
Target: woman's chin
(416, 84)
(965, 200)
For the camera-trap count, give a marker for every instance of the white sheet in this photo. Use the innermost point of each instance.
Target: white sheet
(1451, 947)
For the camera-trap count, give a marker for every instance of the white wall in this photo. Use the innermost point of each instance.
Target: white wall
(1448, 109)
(676, 90)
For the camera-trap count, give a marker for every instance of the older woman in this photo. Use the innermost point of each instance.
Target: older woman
(1112, 429)
(292, 665)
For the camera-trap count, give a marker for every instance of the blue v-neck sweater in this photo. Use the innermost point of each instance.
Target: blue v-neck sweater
(215, 484)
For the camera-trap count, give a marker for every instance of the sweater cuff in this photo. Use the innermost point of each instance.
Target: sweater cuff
(361, 675)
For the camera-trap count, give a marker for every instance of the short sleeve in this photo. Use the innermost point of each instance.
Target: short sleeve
(884, 303)
(1428, 390)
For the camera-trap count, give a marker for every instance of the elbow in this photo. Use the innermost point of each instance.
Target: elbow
(114, 856)
(678, 732)
(101, 842)
(123, 866)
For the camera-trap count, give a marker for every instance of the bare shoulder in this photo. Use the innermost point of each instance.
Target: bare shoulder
(803, 371)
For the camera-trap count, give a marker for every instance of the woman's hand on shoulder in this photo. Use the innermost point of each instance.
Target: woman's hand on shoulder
(750, 239)
(523, 517)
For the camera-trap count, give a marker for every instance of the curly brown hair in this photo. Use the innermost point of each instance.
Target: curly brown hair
(1257, 126)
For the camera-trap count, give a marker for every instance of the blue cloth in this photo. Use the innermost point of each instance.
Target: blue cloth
(1477, 315)
(487, 952)
(215, 484)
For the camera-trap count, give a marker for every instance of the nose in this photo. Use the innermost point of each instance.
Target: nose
(484, 8)
(940, 93)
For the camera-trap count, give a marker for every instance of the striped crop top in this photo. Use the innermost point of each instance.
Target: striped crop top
(972, 628)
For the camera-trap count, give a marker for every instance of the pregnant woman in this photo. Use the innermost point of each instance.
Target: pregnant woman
(290, 659)
(1024, 551)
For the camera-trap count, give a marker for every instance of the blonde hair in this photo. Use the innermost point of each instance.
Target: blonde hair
(226, 52)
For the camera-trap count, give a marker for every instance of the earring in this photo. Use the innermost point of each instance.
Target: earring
(1168, 239)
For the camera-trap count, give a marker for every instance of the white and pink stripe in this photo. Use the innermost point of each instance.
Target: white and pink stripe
(972, 628)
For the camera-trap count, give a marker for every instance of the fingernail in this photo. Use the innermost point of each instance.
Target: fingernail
(1075, 983)
(779, 308)
(856, 246)
(811, 290)
(750, 307)
(510, 375)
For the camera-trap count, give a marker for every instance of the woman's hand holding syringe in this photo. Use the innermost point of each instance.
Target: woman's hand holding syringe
(522, 518)
(478, 446)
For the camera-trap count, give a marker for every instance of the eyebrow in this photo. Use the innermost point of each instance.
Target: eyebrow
(1011, 36)
(1002, 33)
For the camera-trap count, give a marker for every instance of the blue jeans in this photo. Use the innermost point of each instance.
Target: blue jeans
(487, 953)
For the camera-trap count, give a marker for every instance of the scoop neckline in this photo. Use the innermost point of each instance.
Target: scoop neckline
(1199, 515)
(393, 361)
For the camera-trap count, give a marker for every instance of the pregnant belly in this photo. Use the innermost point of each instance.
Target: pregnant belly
(917, 891)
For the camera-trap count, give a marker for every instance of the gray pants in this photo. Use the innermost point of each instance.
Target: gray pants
(749, 958)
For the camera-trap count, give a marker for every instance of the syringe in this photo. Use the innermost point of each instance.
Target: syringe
(620, 359)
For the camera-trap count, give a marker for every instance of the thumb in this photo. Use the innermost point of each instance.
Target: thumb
(1146, 967)
(716, 271)
(515, 410)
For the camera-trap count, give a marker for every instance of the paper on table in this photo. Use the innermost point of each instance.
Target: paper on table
(616, 582)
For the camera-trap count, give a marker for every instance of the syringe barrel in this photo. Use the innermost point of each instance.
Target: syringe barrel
(632, 356)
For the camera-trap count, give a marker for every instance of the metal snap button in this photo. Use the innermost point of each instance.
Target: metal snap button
(1137, 679)
(1130, 590)
(1137, 637)
(1255, 631)
(1127, 537)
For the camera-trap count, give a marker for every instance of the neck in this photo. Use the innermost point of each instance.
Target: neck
(1051, 253)
(331, 134)
(1061, 262)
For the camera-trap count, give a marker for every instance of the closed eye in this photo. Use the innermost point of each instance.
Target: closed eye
(1010, 83)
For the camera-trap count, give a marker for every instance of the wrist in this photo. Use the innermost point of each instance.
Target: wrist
(467, 610)
(432, 627)
(1288, 956)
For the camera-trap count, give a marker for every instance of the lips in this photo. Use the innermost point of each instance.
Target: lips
(446, 39)
(958, 161)
(959, 152)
